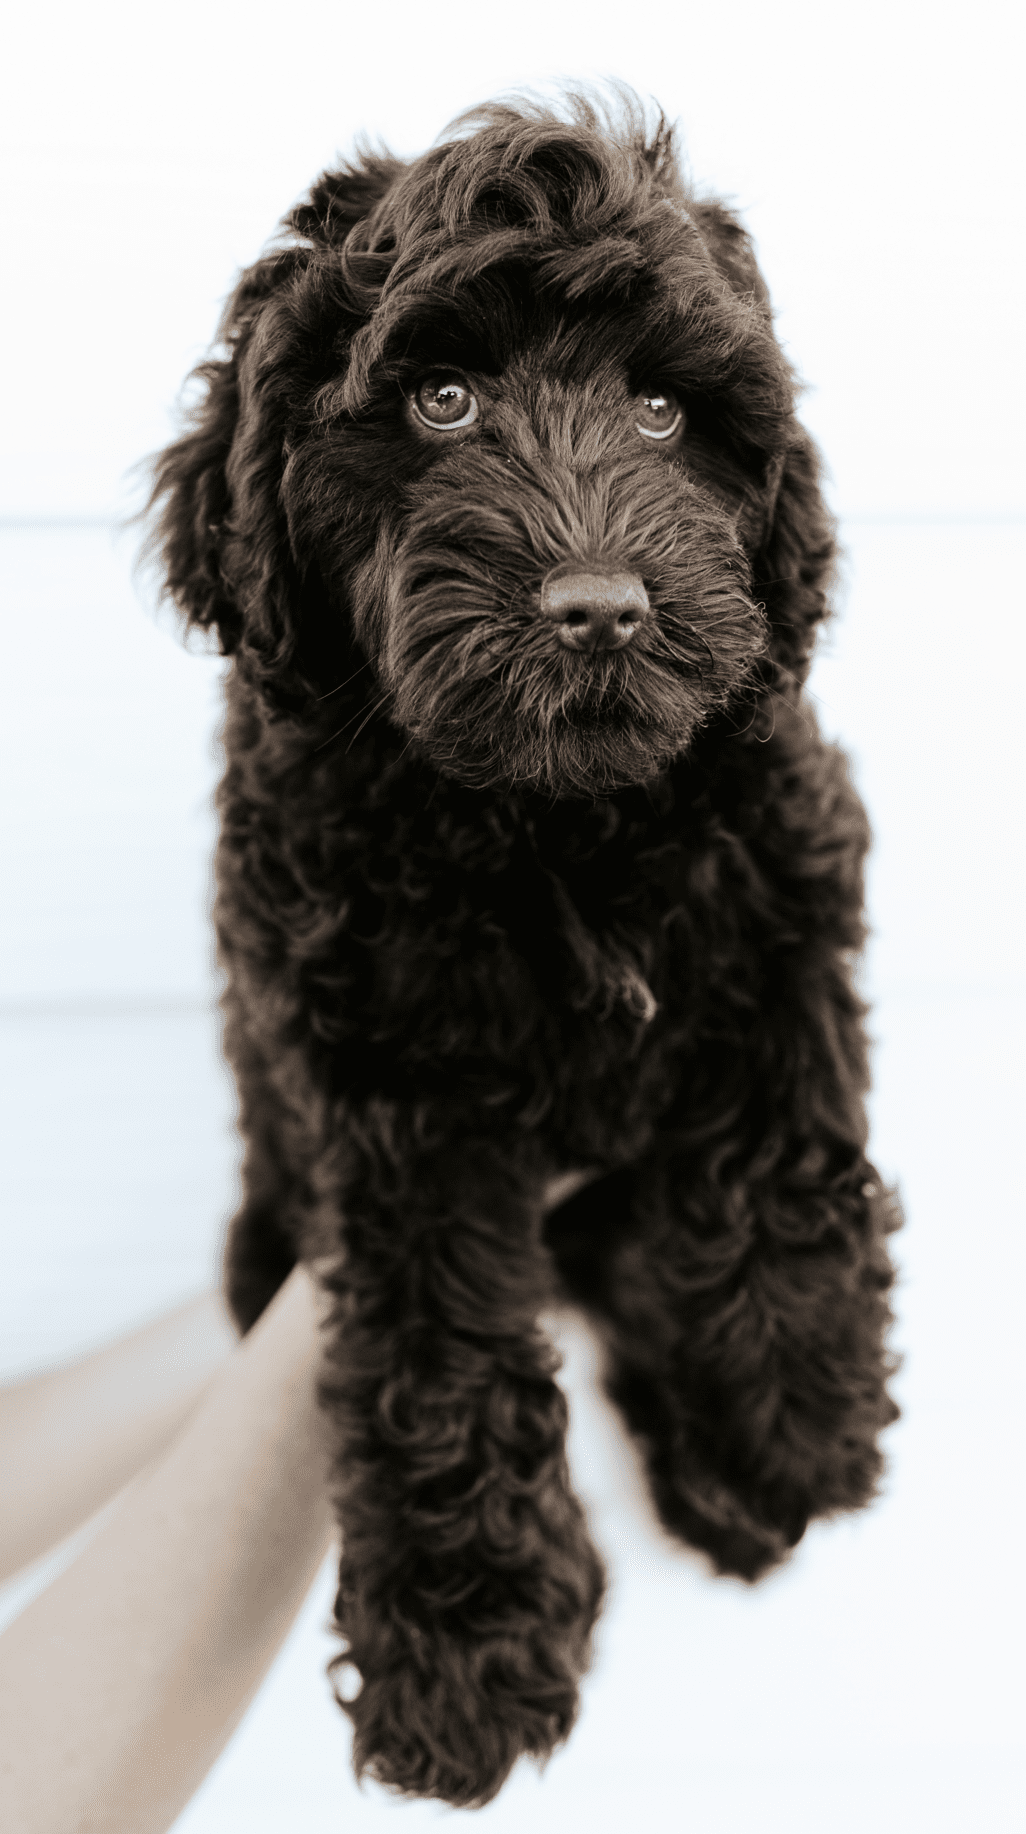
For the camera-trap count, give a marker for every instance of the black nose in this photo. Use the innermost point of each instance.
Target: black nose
(593, 610)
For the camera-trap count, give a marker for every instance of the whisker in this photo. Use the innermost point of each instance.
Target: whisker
(374, 707)
(345, 684)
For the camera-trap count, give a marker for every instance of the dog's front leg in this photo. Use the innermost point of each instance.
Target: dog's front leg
(740, 1274)
(751, 1362)
(468, 1584)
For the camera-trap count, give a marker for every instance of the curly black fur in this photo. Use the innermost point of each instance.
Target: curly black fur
(490, 909)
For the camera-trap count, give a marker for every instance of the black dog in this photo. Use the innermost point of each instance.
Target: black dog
(533, 863)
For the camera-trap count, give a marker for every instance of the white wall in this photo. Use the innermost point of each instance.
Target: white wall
(151, 151)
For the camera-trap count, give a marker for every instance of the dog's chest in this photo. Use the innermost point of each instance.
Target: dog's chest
(513, 989)
(455, 953)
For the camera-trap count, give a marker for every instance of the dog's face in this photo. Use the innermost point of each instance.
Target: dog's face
(552, 598)
(508, 427)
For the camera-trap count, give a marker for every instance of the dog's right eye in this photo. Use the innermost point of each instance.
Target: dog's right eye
(445, 402)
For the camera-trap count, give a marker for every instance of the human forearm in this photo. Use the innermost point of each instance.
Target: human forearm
(121, 1683)
(71, 1438)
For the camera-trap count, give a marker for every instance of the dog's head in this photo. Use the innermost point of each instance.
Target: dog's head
(502, 452)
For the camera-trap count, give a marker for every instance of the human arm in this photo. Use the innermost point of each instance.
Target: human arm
(70, 1439)
(122, 1681)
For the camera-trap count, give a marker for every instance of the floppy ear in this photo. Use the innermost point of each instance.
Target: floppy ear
(339, 200)
(221, 533)
(794, 566)
(200, 518)
(795, 554)
(730, 249)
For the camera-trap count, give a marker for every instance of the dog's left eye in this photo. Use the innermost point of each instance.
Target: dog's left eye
(446, 402)
(658, 413)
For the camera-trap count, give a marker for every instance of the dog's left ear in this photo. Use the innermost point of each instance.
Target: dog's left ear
(794, 565)
(793, 559)
(730, 248)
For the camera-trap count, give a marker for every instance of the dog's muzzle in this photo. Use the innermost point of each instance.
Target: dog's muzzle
(592, 608)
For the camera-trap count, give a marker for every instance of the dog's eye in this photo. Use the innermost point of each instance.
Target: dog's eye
(658, 413)
(445, 401)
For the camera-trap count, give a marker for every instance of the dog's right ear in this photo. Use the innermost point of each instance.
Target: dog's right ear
(191, 487)
(220, 531)
(339, 200)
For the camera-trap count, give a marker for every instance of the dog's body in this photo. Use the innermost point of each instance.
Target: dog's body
(533, 864)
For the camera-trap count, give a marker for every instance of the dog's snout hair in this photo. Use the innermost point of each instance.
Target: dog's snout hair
(490, 690)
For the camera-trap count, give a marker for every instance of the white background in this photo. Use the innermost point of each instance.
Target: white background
(872, 149)
(875, 1683)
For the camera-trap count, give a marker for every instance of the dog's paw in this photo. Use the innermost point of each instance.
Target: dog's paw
(741, 1553)
(453, 1719)
(740, 1540)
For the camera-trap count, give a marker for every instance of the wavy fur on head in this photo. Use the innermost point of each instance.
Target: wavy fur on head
(492, 909)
